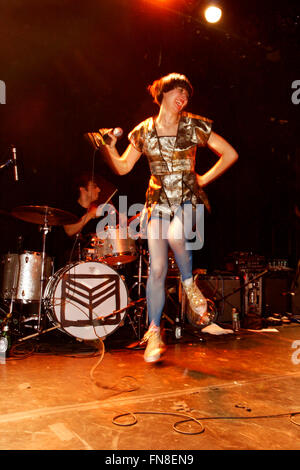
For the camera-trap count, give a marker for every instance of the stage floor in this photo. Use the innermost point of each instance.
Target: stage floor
(61, 394)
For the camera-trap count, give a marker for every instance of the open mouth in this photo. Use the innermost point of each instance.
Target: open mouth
(179, 104)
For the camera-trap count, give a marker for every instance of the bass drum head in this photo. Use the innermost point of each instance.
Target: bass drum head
(82, 297)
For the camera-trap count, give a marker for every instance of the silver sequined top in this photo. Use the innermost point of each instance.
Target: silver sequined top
(172, 160)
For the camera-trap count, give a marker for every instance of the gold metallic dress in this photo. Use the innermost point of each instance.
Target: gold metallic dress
(172, 161)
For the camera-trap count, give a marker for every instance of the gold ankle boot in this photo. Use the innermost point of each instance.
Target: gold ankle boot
(155, 346)
(197, 303)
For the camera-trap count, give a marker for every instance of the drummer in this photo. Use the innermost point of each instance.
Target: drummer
(90, 193)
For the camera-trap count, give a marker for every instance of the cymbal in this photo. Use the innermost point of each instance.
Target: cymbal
(41, 214)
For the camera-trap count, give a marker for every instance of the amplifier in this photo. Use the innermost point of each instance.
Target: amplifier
(224, 291)
(276, 292)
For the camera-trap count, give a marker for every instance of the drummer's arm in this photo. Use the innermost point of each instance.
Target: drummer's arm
(121, 164)
(73, 229)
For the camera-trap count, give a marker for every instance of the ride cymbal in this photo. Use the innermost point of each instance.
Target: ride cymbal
(41, 214)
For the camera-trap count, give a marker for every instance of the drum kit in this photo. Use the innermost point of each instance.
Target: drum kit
(87, 299)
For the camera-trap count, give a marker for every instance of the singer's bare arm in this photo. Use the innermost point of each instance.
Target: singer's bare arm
(227, 156)
(121, 164)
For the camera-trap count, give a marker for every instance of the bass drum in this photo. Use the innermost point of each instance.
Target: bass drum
(82, 298)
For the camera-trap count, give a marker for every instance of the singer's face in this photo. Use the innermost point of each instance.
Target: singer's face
(176, 99)
(92, 190)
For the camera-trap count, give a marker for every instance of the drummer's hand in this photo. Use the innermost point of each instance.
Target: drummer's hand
(92, 212)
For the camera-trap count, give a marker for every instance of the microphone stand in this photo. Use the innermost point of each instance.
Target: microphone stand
(10, 161)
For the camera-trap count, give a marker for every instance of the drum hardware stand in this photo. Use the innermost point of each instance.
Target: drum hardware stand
(180, 306)
(39, 333)
(179, 321)
(115, 312)
(45, 229)
(79, 246)
(12, 293)
(138, 313)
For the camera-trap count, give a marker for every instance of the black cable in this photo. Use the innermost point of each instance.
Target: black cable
(197, 420)
(190, 418)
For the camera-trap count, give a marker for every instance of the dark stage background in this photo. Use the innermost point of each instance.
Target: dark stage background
(75, 66)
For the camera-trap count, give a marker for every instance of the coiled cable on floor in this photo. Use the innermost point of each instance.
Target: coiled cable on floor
(198, 419)
(175, 425)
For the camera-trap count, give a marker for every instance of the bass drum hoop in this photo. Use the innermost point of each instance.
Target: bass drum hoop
(49, 302)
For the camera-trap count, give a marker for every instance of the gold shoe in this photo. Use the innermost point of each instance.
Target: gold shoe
(197, 303)
(155, 346)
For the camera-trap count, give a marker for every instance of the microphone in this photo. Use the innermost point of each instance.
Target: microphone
(14, 153)
(117, 132)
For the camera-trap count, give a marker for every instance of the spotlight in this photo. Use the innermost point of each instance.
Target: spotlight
(213, 14)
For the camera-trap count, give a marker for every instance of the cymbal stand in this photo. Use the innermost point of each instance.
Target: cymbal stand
(139, 284)
(45, 229)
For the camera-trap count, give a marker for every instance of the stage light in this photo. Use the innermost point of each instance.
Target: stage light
(213, 14)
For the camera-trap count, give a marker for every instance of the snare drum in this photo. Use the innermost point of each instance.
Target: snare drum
(81, 298)
(113, 248)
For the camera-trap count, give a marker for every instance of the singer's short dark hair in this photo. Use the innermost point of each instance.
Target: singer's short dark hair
(168, 83)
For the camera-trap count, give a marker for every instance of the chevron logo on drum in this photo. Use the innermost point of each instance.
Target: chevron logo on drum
(77, 291)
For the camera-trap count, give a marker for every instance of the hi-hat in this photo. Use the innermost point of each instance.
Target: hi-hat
(44, 214)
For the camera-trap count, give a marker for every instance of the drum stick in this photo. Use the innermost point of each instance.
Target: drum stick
(109, 200)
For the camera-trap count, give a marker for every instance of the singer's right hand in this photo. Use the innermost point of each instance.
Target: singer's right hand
(114, 139)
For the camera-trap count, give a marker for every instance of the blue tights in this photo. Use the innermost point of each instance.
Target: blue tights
(161, 234)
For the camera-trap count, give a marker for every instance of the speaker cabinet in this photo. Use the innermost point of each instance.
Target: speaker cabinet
(224, 291)
(276, 292)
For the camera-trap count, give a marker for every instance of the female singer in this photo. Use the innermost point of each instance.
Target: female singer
(174, 199)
